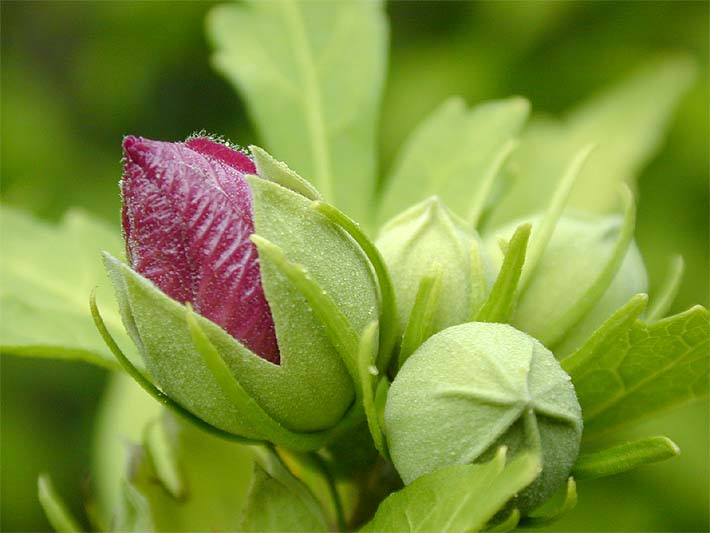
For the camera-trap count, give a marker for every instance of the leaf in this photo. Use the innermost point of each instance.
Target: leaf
(274, 505)
(59, 517)
(499, 305)
(624, 457)
(214, 475)
(314, 101)
(634, 372)
(456, 498)
(455, 153)
(625, 122)
(48, 272)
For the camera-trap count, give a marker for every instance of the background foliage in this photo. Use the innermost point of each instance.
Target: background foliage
(78, 76)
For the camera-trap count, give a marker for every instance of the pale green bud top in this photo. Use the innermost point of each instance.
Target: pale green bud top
(475, 387)
(578, 252)
(428, 238)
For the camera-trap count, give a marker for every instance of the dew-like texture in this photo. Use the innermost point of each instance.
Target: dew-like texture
(477, 386)
(187, 219)
(577, 253)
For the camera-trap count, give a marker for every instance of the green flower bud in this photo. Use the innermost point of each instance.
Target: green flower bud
(427, 239)
(258, 365)
(475, 387)
(580, 248)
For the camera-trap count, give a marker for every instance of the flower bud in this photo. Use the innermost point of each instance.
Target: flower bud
(190, 214)
(578, 252)
(427, 238)
(475, 387)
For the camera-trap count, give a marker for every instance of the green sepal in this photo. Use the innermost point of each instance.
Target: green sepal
(387, 300)
(337, 327)
(456, 498)
(666, 294)
(509, 523)
(624, 457)
(501, 300)
(269, 168)
(278, 501)
(596, 290)
(369, 378)
(546, 515)
(421, 320)
(54, 508)
(546, 227)
(202, 353)
(148, 385)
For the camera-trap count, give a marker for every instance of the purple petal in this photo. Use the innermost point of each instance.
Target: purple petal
(187, 219)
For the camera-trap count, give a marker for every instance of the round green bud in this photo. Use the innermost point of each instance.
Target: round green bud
(475, 387)
(428, 238)
(580, 248)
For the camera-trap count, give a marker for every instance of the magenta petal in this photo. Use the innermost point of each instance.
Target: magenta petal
(187, 219)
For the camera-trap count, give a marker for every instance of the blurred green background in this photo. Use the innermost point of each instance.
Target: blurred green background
(76, 76)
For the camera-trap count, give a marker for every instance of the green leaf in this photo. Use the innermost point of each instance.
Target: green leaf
(500, 302)
(625, 122)
(214, 476)
(314, 101)
(624, 457)
(627, 372)
(59, 517)
(455, 153)
(48, 272)
(456, 498)
(280, 502)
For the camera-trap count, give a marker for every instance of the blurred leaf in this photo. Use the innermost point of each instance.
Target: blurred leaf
(624, 457)
(638, 370)
(48, 272)
(625, 122)
(455, 153)
(278, 501)
(456, 498)
(213, 474)
(311, 74)
(54, 507)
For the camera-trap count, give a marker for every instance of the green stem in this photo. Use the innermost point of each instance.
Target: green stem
(322, 466)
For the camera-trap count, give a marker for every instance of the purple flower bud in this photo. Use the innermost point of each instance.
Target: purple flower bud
(187, 219)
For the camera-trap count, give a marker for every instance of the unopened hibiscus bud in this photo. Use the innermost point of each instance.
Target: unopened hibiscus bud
(429, 240)
(565, 279)
(475, 387)
(192, 213)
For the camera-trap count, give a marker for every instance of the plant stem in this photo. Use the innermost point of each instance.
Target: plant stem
(321, 464)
